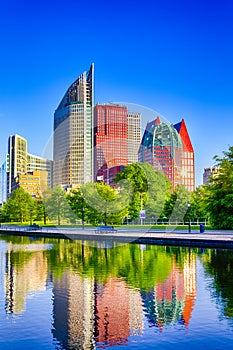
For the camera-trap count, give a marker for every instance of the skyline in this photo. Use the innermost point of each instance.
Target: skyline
(174, 59)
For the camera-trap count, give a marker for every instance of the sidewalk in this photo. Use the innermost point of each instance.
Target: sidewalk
(210, 239)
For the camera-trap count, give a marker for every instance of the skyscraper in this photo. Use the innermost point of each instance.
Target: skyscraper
(3, 184)
(73, 133)
(168, 149)
(117, 136)
(208, 173)
(19, 161)
(187, 157)
(134, 136)
(110, 137)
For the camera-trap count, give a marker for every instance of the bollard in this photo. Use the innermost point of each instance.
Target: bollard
(202, 228)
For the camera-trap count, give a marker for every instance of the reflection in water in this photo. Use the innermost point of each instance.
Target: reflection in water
(27, 275)
(118, 312)
(172, 300)
(219, 264)
(73, 311)
(107, 297)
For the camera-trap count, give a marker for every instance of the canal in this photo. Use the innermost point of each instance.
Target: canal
(64, 294)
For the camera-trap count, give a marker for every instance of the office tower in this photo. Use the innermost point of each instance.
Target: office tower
(73, 133)
(134, 136)
(110, 137)
(20, 162)
(17, 160)
(208, 173)
(33, 182)
(187, 157)
(45, 166)
(168, 149)
(117, 136)
(3, 184)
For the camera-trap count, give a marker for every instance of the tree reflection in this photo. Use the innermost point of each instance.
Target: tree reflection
(219, 264)
(102, 295)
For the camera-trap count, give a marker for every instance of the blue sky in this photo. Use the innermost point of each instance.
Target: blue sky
(174, 57)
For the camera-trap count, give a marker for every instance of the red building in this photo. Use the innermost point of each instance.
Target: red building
(168, 149)
(110, 138)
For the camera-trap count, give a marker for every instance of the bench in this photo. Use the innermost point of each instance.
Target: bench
(34, 227)
(106, 229)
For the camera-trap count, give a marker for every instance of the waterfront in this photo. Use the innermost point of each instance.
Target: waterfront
(61, 294)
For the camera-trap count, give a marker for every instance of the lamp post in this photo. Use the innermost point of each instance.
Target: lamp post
(83, 213)
(189, 223)
(30, 217)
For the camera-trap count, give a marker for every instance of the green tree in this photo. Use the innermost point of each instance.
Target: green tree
(176, 206)
(19, 207)
(40, 213)
(198, 210)
(219, 193)
(219, 264)
(104, 203)
(57, 206)
(150, 188)
(78, 204)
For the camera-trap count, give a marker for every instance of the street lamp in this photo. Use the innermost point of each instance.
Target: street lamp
(30, 217)
(83, 213)
(189, 223)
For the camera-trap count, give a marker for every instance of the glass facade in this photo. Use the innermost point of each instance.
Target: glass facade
(19, 161)
(3, 184)
(73, 136)
(168, 149)
(111, 137)
(117, 136)
(17, 154)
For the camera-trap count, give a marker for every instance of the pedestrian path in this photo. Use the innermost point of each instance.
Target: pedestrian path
(211, 239)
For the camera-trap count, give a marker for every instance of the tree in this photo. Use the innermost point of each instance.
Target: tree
(40, 211)
(57, 206)
(176, 206)
(104, 203)
(219, 193)
(198, 209)
(78, 204)
(19, 207)
(149, 188)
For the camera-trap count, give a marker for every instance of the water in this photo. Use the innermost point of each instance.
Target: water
(60, 294)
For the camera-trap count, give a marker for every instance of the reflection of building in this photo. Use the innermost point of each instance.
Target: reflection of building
(117, 136)
(173, 300)
(85, 312)
(21, 279)
(73, 135)
(19, 161)
(168, 149)
(73, 311)
(209, 172)
(118, 313)
(190, 286)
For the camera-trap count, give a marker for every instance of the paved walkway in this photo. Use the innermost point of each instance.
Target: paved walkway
(211, 239)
